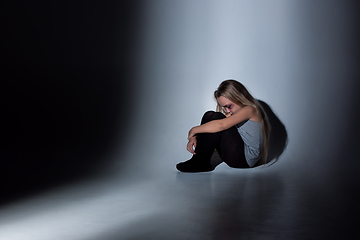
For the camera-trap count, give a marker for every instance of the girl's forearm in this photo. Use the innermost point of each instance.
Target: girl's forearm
(209, 127)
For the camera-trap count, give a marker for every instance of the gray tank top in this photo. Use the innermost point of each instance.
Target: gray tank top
(250, 132)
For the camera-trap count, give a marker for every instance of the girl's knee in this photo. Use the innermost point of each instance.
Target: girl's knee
(211, 115)
(208, 115)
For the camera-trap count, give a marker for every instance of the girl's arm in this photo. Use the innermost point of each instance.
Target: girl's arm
(247, 112)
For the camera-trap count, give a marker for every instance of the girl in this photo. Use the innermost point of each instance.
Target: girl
(241, 136)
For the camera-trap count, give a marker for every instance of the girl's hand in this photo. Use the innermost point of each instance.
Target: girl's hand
(191, 145)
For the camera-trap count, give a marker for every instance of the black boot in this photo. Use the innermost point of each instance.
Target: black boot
(194, 165)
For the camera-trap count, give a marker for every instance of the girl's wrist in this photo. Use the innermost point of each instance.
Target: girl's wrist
(194, 130)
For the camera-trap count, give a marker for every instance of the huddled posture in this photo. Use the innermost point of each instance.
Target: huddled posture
(239, 131)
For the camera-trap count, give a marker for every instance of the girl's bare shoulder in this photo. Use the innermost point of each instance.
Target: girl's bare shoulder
(254, 115)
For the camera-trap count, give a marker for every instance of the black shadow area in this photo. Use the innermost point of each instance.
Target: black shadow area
(65, 79)
(278, 134)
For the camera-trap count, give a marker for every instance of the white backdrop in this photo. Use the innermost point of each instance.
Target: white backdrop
(297, 56)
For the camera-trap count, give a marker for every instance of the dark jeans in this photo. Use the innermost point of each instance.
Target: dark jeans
(228, 144)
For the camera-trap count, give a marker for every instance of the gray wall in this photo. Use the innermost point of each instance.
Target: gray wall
(300, 57)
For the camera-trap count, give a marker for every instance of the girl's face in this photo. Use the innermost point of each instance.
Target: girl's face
(228, 105)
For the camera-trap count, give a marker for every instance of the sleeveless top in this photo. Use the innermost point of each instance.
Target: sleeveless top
(250, 133)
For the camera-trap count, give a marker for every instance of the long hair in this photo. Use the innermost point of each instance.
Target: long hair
(238, 94)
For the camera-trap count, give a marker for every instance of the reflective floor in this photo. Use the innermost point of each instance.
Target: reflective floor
(261, 203)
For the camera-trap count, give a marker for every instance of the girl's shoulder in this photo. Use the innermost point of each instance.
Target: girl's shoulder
(255, 115)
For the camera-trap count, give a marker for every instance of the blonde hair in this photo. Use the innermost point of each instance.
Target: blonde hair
(238, 94)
